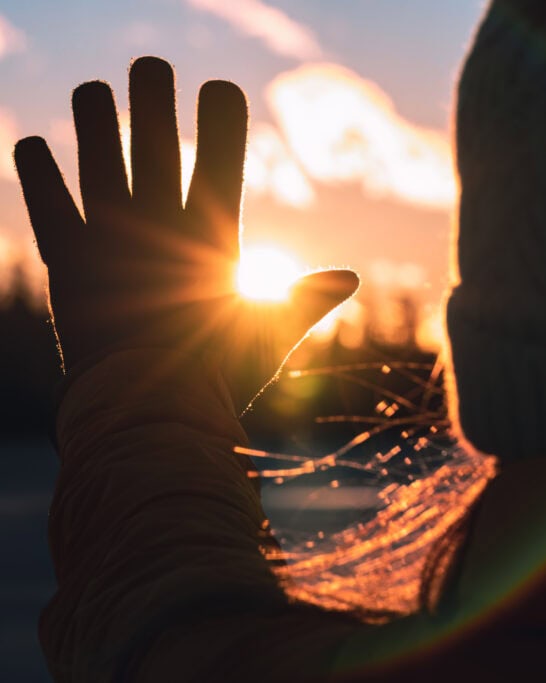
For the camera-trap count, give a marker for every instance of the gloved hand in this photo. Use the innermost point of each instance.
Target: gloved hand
(142, 270)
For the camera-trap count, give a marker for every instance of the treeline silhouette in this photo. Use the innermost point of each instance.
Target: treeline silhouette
(29, 363)
(348, 382)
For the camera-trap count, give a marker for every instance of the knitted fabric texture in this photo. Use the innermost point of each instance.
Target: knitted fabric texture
(496, 315)
(153, 513)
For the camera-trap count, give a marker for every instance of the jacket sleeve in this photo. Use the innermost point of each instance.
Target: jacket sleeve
(158, 538)
(153, 515)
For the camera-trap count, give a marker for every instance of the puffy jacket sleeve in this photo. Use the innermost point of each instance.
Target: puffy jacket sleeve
(153, 516)
(158, 538)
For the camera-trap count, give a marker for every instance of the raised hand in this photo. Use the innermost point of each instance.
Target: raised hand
(141, 269)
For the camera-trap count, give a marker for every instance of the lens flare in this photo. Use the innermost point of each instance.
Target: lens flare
(266, 273)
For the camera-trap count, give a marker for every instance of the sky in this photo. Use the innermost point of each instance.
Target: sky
(349, 159)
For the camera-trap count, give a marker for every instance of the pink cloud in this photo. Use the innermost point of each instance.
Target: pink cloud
(277, 30)
(8, 137)
(12, 39)
(343, 128)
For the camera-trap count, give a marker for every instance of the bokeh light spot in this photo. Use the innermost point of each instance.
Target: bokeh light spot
(266, 273)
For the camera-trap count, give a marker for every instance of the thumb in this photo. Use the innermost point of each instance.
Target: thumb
(315, 295)
(263, 335)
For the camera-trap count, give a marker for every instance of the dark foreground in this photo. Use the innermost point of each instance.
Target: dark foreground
(27, 474)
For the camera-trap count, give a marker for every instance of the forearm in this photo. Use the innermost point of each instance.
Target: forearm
(153, 515)
(155, 532)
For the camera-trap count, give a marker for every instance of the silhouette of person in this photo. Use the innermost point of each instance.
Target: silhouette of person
(156, 528)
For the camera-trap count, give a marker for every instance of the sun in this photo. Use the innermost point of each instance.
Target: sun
(266, 273)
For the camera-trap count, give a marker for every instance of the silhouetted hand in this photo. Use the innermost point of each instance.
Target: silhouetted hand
(142, 270)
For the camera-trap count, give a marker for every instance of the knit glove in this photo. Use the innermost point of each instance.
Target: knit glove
(496, 315)
(142, 270)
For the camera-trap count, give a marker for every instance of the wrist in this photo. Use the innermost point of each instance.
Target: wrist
(143, 386)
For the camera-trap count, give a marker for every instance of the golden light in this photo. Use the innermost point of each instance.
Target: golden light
(326, 328)
(125, 135)
(431, 333)
(187, 148)
(9, 134)
(270, 167)
(8, 259)
(346, 321)
(266, 273)
(341, 127)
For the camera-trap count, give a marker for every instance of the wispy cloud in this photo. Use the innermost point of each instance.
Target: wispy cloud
(12, 39)
(8, 138)
(342, 127)
(277, 30)
(61, 132)
(140, 34)
(271, 168)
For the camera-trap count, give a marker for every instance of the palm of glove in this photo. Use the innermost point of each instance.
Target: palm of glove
(142, 270)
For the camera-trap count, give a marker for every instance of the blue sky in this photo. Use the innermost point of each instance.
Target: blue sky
(412, 48)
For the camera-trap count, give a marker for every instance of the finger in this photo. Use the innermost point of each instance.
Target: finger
(155, 149)
(103, 179)
(315, 295)
(214, 197)
(55, 218)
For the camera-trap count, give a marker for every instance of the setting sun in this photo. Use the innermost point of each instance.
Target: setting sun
(266, 273)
